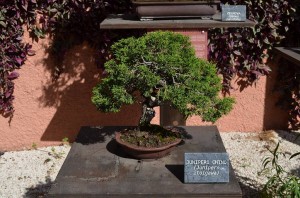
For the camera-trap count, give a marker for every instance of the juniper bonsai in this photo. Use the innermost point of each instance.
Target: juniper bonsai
(160, 66)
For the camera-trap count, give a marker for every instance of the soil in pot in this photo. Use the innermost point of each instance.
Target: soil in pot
(148, 142)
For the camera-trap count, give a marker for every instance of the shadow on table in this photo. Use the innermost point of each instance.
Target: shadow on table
(247, 190)
(115, 149)
(177, 170)
(92, 135)
(39, 191)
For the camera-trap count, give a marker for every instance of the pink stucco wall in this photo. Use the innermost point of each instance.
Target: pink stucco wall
(46, 111)
(255, 109)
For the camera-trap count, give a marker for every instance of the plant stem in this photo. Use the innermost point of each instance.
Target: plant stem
(147, 115)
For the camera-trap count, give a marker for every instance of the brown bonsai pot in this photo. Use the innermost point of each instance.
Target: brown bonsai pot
(175, 2)
(145, 152)
(154, 9)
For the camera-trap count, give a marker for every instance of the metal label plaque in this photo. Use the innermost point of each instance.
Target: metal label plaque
(233, 13)
(206, 168)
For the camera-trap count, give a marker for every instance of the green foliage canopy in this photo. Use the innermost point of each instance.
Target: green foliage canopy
(161, 66)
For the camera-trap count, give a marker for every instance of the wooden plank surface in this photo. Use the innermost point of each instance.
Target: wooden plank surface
(132, 22)
(291, 54)
(97, 167)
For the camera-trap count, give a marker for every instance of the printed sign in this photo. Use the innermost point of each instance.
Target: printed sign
(206, 168)
(233, 13)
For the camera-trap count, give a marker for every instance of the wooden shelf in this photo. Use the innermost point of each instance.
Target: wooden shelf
(289, 53)
(132, 22)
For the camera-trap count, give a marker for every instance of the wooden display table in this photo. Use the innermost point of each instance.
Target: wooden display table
(97, 167)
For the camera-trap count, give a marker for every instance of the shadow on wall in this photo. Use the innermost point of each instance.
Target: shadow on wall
(275, 117)
(71, 95)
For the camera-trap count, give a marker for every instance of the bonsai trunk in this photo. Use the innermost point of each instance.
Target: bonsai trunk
(147, 115)
(148, 112)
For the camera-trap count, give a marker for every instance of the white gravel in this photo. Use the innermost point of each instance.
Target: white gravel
(30, 173)
(247, 151)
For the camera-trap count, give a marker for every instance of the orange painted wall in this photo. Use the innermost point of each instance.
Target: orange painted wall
(46, 111)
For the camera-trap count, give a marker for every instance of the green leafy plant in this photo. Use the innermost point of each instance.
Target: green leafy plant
(34, 146)
(293, 40)
(287, 86)
(69, 23)
(243, 52)
(13, 52)
(160, 66)
(280, 183)
(65, 141)
(288, 79)
(55, 154)
(73, 22)
(236, 52)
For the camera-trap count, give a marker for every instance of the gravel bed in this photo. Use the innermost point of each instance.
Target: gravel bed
(30, 173)
(247, 151)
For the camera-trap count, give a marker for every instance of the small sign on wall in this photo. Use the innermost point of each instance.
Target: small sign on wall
(206, 168)
(233, 13)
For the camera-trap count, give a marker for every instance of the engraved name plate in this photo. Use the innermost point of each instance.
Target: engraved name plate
(206, 168)
(233, 13)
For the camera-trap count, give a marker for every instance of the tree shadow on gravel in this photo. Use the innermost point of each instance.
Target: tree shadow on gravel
(296, 172)
(39, 191)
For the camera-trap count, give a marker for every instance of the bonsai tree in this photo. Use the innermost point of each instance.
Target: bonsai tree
(160, 66)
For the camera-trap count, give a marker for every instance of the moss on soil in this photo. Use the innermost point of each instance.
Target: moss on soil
(150, 136)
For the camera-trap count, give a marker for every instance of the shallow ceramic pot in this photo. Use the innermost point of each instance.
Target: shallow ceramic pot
(176, 2)
(154, 9)
(143, 152)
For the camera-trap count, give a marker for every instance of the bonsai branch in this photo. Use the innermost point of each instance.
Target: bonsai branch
(150, 64)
